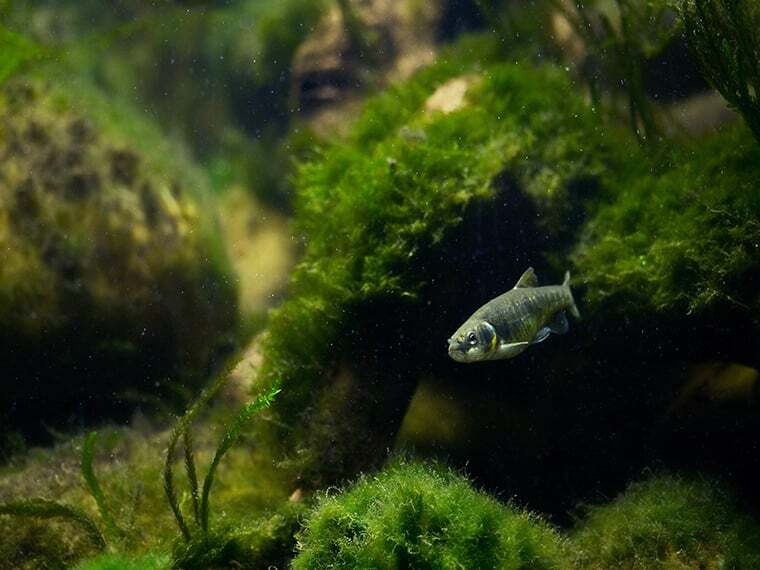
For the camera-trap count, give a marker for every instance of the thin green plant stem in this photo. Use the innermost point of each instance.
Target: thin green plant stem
(230, 437)
(88, 452)
(192, 475)
(46, 509)
(179, 429)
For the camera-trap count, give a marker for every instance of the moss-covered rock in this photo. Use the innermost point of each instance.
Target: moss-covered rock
(114, 276)
(668, 522)
(416, 516)
(678, 242)
(266, 542)
(420, 207)
(682, 237)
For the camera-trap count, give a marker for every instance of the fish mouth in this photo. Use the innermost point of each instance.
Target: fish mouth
(456, 353)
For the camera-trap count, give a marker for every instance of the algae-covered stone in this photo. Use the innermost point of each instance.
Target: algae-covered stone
(263, 542)
(415, 516)
(417, 210)
(113, 274)
(668, 522)
(678, 243)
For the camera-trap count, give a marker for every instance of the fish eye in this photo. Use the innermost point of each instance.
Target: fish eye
(472, 338)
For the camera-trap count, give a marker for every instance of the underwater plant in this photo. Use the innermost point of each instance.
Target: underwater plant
(200, 497)
(620, 37)
(413, 515)
(724, 35)
(264, 538)
(668, 522)
(251, 545)
(48, 509)
(17, 52)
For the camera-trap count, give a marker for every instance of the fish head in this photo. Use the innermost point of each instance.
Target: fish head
(473, 341)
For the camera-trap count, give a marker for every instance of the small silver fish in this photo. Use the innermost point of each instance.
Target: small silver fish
(508, 324)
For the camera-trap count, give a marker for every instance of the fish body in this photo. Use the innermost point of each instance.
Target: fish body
(505, 326)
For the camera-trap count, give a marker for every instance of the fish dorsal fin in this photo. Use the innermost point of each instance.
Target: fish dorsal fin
(528, 279)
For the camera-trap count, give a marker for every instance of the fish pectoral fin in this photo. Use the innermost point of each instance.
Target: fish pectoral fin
(527, 279)
(514, 344)
(541, 335)
(510, 349)
(558, 324)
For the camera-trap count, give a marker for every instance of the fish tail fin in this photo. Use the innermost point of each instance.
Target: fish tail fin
(572, 308)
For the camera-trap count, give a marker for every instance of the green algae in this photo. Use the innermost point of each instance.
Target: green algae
(416, 516)
(681, 237)
(121, 562)
(16, 53)
(668, 522)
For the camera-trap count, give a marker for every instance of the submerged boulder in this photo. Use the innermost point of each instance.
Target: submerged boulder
(674, 252)
(113, 278)
(445, 190)
(427, 209)
(668, 522)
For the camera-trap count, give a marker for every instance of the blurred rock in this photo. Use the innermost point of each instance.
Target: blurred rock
(366, 43)
(261, 249)
(114, 278)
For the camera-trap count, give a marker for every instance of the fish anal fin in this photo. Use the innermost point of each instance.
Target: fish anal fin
(527, 279)
(558, 324)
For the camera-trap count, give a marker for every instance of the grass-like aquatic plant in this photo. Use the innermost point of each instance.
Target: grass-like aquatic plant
(200, 499)
(88, 451)
(47, 509)
(725, 36)
(620, 36)
(230, 437)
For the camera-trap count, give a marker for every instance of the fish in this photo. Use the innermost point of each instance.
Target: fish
(508, 324)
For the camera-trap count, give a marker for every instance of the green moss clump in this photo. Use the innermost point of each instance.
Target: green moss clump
(681, 236)
(668, 522)
(115, 276)
(417, 516)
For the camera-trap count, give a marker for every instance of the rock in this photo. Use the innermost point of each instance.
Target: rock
(113, 278)
(451, 96)
(382, 41)
(485, 188)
